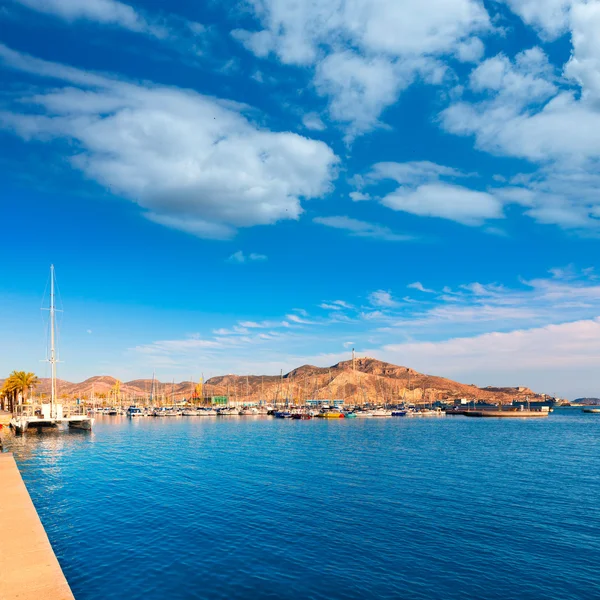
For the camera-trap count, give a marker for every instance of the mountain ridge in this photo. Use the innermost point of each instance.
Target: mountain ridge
(367, 379)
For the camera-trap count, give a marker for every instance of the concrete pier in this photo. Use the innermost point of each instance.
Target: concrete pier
(29, 569)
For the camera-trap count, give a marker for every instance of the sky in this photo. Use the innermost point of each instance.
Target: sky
(248, 186)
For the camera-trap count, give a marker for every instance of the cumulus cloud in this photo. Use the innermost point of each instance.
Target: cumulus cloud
(549, 17)
(523, 109)
(366, 52)
(453, 202)
(423, 193)
(584, 64)
(359, 228)
(192, 162)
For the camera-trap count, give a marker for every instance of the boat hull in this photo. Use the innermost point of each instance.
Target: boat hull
(507, 414)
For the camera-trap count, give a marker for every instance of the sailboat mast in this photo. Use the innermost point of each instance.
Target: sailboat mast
(52, 342)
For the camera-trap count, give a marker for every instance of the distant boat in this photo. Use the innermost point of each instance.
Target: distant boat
(301, 416)
(134, 411)
(382, 412)
(593, 411)
(330, 414)
(283, 414)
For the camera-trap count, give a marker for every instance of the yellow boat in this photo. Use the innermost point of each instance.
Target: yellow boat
(331, 414)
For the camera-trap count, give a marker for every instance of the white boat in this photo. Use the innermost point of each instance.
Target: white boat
(363, 414)
(50, 415)
(381, 412)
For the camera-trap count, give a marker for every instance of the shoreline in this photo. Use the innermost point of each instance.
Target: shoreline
(30, 569)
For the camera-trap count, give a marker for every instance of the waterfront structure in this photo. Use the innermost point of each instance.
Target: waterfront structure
(27, 562)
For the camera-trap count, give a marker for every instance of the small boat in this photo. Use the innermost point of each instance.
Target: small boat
(382, 412)
(283, 414)
(207, 412)
(191, 412)
(330, 414)
(300, 416)
(429, 412)
(134, 411)
(399, 413)
(363, 414)
(350, 415)
(593, 411)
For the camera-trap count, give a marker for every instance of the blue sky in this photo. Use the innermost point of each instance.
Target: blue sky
(249, 186)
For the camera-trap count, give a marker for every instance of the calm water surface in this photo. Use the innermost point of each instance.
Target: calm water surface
(260, 508)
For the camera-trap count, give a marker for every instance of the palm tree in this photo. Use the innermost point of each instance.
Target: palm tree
(24, 382)
(9, 394)
(18, 382)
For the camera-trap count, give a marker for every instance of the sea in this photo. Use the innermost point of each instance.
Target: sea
(260, 508)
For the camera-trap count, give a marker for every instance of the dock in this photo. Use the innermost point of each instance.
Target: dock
(29, 569)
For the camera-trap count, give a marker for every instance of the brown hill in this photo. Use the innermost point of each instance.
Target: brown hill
(370, 380)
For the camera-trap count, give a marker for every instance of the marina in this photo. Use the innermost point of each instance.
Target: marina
(244, 496)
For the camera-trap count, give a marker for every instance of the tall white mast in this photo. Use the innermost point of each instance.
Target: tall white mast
(52, 342)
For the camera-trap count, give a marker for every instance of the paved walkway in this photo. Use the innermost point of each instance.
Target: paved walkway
(29, 569)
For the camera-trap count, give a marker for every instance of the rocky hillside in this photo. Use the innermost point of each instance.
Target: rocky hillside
(370, 380)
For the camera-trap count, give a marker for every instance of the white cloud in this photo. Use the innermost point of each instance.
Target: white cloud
(294, 31)
(362, 229)
(471, 51)
(359, 196)
(555, 358)
(453, 202)
(297, 320)
(524, 110)
(313, 122)
(422, 193)
(193, 162)
(360, 88)
(584, 65)
(412, 173)
(337, 305)
(382, 298)
(366, 51)
(107, 12)
(417, 285)
(239, 257)
(549, 17)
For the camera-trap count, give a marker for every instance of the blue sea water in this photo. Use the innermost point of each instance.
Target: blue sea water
(444, 508)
